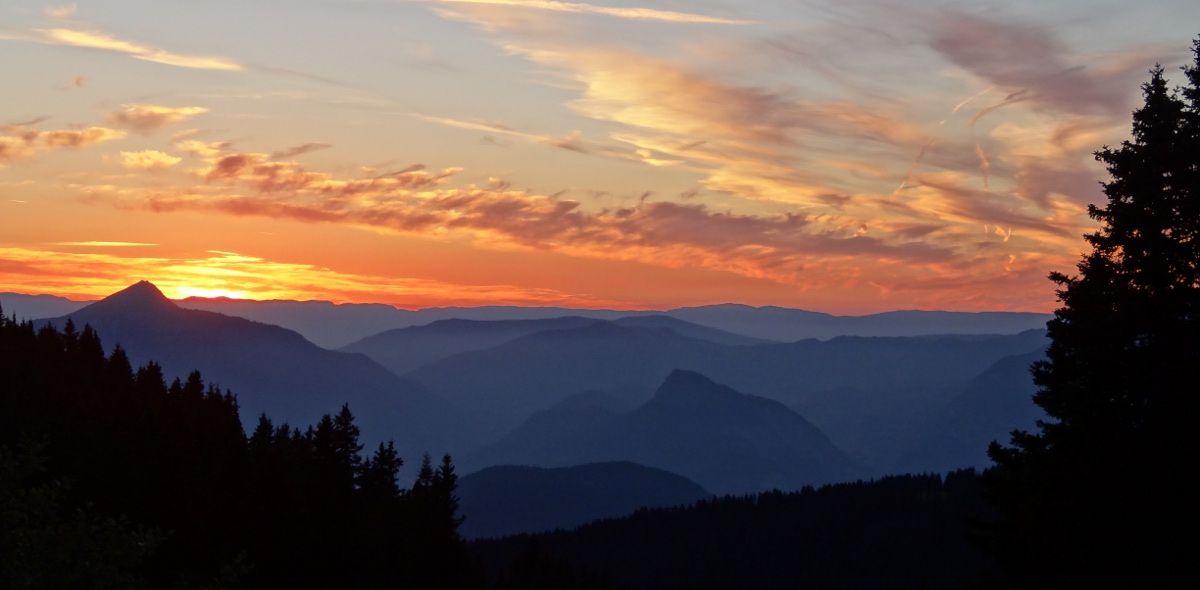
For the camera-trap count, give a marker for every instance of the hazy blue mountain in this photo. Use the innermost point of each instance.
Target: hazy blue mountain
(685, 328)
(271, 369)
(862, 392)
(337, 325)
(33, 307)
(789, 325)
(406, 349)
(508, 499)
(726, 441)
(994, 404)
(510, 381)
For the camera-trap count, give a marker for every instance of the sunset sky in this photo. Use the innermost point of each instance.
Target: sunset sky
(848, 157)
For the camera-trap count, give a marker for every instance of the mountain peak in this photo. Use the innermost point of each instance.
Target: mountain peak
(691, 386)
(141, 295)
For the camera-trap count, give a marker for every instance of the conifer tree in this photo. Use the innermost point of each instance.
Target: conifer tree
(1102, 495)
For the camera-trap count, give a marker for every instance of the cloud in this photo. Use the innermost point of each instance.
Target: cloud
(104, 42)
(93, 275)
(1026, 58)
(300, 149)
(22, 141)
(148, 160)
(416, 201)
(148, 118)
(97, 244)
(646, 14)
(61, 11)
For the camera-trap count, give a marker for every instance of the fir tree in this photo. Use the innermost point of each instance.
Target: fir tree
(1102, 495)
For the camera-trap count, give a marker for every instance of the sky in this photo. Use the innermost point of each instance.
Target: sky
(850, 157)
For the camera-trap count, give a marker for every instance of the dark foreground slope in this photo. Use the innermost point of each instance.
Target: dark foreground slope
(898, 532)
(509, 499)
(111, 478)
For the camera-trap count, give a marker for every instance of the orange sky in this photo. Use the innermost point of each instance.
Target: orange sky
(843, 157)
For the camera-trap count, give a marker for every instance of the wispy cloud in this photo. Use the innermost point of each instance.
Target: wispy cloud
(61, 11)
(100, 244)
(300, 149)
(647, 14)
(105, 42)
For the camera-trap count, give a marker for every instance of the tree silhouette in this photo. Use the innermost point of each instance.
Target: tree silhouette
(1103, 495)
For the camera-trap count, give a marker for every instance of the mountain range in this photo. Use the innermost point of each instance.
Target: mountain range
(728, 442)
(334, 325)
(731, 411)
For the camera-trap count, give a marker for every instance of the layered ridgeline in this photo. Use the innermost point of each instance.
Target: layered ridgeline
(727, 442)
(335, 325)
(869, 395)
(405, 349)
(272, 369)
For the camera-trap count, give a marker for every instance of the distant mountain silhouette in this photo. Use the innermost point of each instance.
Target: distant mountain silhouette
(510, 381)
(726, 441)
(36, 307)
(337, 325)
(406, 349)
(506, 500)
(271, 369)
(789, 325)
(995, 403)
(862, 392)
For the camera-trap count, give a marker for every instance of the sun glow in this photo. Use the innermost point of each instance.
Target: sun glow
(206, 292)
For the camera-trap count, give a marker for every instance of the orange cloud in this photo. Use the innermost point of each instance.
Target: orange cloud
(148, 118)
(25, 141)
(148, 160)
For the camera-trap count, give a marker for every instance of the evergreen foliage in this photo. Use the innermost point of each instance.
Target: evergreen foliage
(897, 532)
(1102, 495)
(128, 455)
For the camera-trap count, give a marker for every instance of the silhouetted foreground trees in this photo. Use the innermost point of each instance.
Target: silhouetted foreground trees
(898, 532)
(1104, 494)
(111, 478)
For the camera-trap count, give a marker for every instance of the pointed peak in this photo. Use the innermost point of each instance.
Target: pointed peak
(681, 384)
(142, 294)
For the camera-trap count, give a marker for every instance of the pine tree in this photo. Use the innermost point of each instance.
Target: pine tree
(1102, 495)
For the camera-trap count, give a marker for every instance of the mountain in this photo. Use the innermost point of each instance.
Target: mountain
(336, 325)
(32, 307)
(861, 392)
(406, 349)
(271, 369)
(789, 325)
(508, 499)
(726, 441)
(508, 382)
(997, 402)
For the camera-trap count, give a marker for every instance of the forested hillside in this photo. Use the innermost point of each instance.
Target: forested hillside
(113, 477)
